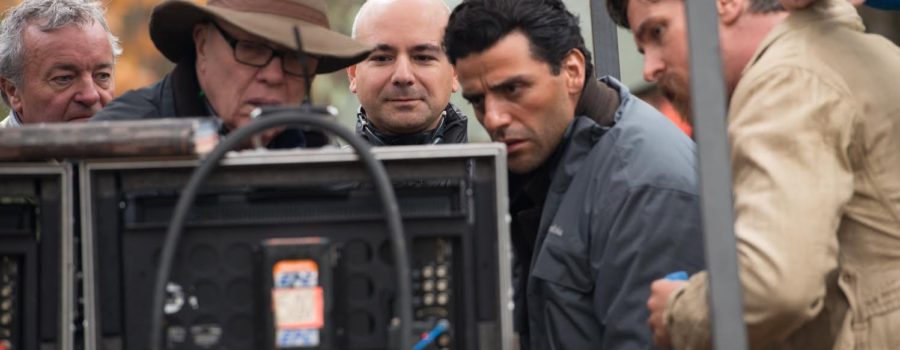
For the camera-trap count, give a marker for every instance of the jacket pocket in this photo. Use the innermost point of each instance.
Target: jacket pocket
(884, 316)
(565, 261)
(876, 311)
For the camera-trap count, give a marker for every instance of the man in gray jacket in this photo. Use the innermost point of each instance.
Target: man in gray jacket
(603, 188)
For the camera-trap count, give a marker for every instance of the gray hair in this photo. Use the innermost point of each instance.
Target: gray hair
(57, 14)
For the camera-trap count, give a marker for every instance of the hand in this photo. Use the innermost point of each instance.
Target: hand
(660, 291)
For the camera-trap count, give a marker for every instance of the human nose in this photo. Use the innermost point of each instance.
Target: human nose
(272, 72)
(654, 66)
(403, 75)
(88, 94)
(495, 118)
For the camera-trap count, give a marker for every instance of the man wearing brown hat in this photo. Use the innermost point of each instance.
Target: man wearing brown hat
(234, 56)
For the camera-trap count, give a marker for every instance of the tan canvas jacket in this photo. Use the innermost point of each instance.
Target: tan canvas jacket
(815, 131)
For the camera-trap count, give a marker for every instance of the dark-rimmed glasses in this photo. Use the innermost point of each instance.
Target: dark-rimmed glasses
(256, 54)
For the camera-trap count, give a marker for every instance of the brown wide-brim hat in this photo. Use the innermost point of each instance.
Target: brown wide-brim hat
(172, 24)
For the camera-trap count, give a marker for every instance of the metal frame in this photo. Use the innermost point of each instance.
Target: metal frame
(91, 326)
(709, 102)
(301, 156)
(67, 240)
(606, 41)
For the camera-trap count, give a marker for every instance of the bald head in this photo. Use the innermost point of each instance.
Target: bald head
(373, 10)
(405, 84)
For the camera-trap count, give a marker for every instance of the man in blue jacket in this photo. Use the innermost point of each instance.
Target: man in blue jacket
(603, 188)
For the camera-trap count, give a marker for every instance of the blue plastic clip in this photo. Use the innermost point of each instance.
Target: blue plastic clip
(677, 276)
(441, 327)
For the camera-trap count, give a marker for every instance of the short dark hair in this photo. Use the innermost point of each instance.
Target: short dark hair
(618, 9)
(552, 31)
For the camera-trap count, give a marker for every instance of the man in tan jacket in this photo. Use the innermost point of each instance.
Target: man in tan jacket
(814, 125)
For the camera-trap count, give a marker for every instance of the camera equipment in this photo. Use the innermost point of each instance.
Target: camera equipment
(306, 115)
(36, 256)
(314, 213)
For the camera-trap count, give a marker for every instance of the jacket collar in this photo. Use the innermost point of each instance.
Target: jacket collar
(11, 121)
(557, 171)
(579, 138)
(584, 132)
(452, 129)
(828, 13)
(598, 102)
(187, 94)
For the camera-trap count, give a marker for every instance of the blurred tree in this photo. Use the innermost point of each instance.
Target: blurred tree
(334, 88)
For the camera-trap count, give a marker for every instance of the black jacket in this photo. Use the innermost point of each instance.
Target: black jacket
(178, 94)
(614, 208)
(453, 129)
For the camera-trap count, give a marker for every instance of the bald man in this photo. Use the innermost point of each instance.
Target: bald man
(404, 86)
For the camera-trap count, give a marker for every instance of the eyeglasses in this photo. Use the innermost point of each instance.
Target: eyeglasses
(259, 55)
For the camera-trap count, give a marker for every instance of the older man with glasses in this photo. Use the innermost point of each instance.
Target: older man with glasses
(234, 56)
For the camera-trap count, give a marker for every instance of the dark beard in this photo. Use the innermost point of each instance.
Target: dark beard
(679, 94)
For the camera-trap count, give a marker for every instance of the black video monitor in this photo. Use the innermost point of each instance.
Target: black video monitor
(36, 256)
(290, 250)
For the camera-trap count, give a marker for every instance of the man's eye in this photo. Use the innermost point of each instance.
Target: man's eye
(380, 58)
(62, 79)
(251, 46)
(476, 102)
(424, 58)
(656, 33)
(103, 76)
(511, 89)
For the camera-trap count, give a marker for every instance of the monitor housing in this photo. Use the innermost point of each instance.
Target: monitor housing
(36, 256)
(452, 199)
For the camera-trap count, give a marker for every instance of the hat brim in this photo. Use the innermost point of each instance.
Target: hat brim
(172, 24)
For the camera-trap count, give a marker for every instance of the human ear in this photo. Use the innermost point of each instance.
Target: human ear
(573, 66)
(12, 95)
(351, 74)
(455, 86)
(730, 10)
(200, 39)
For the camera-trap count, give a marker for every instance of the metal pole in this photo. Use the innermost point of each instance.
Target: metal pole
(708, 96)
(67, 302)
(606, 41)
